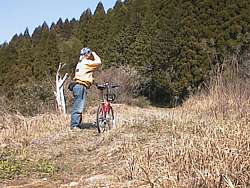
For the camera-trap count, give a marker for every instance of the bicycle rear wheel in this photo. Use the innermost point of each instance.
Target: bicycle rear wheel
(104, 120)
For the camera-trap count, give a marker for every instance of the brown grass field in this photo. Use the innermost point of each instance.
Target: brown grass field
(203, 143)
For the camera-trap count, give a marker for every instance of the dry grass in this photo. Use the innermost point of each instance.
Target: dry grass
(150, 147)
(19, 131)
(203, 143)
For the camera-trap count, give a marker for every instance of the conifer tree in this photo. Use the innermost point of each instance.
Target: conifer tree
(172, 43)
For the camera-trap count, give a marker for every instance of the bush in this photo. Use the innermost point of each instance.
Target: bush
(125, 76)
(29, 99)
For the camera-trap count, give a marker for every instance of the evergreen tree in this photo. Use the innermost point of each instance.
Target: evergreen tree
(84, 23)
(173, 43)
(97, 30)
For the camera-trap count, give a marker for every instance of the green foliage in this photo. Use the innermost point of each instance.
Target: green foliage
(13, 164)
(173, 44)
(45, 168)
(9, 165)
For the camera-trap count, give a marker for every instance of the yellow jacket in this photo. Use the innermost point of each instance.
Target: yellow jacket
(85, 68)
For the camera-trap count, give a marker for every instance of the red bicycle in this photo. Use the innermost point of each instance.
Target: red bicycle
(105, 119)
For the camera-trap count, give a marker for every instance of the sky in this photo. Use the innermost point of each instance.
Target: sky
(17, 15)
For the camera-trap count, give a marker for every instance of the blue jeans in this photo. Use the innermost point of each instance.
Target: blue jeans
(79, 92)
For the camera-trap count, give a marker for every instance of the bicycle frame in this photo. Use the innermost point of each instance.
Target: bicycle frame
(106, 106)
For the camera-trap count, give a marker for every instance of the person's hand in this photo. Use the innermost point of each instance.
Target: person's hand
(90, 56)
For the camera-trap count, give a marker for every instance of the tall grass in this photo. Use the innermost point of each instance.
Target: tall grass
(227, 95)
(19, 131)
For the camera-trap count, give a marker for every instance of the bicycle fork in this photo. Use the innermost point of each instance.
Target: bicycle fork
(105, 111)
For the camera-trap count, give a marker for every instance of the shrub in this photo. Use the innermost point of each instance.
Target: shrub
(29, 99)
(124, 76)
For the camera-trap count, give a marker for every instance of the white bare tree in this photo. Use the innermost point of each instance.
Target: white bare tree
(59, 93)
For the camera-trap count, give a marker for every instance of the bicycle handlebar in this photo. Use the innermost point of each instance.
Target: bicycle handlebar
(106, 85)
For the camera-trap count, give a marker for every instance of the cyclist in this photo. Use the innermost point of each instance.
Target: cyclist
(89, 61)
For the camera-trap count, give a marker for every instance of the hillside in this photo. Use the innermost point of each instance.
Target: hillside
(173, 44)
(195, 145)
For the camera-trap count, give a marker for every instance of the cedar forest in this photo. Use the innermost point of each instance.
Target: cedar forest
(173, 44)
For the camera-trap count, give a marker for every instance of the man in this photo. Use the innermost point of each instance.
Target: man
(89, 61)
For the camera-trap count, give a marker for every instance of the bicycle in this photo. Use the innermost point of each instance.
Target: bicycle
(105, 119)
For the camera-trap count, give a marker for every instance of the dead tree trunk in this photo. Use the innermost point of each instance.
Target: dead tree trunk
(59, 93)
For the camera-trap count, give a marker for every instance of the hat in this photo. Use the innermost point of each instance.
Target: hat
(85, 51)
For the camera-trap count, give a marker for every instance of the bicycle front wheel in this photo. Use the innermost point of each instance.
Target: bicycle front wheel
(104, 120)
(110, 118)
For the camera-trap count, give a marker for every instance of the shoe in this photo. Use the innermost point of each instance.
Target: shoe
(75, 129)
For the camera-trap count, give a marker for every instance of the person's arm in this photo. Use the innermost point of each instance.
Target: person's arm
(97, 60)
